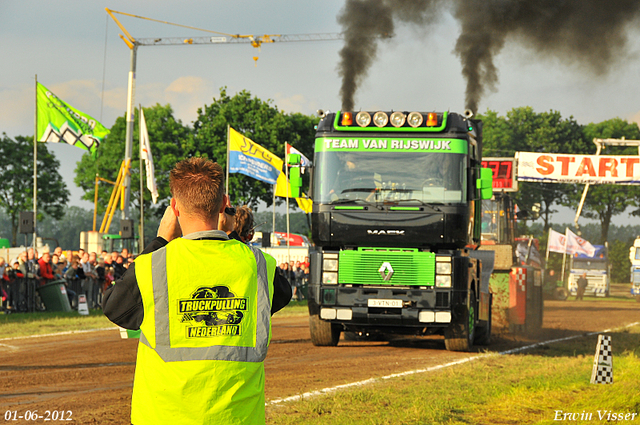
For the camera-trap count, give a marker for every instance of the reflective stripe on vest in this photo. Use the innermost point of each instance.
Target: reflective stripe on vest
(216, 352)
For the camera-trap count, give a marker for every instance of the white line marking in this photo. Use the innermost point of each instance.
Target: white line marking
(316, 393)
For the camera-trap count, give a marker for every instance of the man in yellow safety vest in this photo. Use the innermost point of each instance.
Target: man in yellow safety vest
(203, 303)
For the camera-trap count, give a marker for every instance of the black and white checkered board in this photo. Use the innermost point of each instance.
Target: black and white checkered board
(603, 362)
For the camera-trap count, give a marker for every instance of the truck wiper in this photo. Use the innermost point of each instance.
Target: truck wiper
(347, 201)
(432, 205)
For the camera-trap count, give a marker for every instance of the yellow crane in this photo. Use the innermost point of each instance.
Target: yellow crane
(217, 37)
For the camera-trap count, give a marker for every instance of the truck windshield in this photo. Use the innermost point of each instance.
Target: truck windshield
(589, 264)
(403, 177)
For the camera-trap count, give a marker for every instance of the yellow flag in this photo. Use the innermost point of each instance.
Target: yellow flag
(282, 187)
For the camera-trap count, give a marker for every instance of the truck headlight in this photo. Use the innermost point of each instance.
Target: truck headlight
(330, 265)
(330, 278)
(397, 119)
(443, 268)
(380, 119)
(443, 281)
(363, 118)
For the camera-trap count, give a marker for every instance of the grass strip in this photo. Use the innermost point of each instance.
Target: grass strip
(523, 388)
(43, 323)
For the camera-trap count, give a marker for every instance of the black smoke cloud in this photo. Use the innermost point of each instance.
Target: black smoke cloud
(590, 33)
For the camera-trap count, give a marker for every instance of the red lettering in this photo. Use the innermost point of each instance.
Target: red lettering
(586, 167)
(610, 165)
(565, 160)
(630, 163)
(546, 162)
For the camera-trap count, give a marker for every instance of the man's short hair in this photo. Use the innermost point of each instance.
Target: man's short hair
(244, 222)
(198, 184)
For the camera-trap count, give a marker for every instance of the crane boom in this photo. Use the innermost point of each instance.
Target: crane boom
(255, 41)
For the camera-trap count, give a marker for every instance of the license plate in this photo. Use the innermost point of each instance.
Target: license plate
(384, 303)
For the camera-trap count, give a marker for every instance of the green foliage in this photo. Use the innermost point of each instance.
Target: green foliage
(619, 257)
(16, 175)
(525, 130)
(167, 137)
(259, 121)
(603, 202)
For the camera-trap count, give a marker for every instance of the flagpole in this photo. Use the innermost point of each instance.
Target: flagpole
(273, 226)
(141, 232)
(564, 254)
(546, 259)
(286, 168)
(35, 170)
(228, 140)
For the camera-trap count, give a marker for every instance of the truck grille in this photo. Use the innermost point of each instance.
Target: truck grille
(410, 267)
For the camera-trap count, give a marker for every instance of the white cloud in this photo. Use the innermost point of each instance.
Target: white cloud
(295, 103)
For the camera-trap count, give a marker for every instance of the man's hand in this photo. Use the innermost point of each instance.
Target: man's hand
(226, 222)
(169, 228)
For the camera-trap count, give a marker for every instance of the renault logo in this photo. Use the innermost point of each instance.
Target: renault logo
(386, 271)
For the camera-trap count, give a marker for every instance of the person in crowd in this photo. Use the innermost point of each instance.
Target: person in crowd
(221, 376)
(124, 253)
(119, 267)
(46, 271)
(306, 263)
(89, 282)
(243, 224)
(3, 265)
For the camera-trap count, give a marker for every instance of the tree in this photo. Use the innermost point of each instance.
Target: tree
(259, 121)
(603, 202)
(167, 138)
(16, 175)
(525, 130)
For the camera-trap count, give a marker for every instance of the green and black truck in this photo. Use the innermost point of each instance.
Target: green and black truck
(396, 221)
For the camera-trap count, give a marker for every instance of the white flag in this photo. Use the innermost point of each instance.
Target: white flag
(577, 245)
(556, 242)
(145, 154)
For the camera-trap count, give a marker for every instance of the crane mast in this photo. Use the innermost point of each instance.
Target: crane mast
(219, 38)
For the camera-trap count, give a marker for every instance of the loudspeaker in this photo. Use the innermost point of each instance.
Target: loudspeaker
(26, 222)
(266, 239)
(126, 229)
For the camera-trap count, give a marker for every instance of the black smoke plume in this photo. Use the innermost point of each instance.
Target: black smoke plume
(592, 34)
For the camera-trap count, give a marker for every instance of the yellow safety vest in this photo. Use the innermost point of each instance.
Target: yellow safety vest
(205, 333)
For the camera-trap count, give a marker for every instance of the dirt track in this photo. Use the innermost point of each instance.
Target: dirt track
(91, 374)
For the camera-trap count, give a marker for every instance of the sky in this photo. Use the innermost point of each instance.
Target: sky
(74, 49)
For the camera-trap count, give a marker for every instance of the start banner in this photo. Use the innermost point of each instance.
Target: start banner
(569, 168)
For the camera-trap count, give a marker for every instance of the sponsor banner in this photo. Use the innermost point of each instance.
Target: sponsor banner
(569, 168)
(569, 243)
(60, 122)
(367, 144)
(145, 154)
(251, 159)
(557, 241)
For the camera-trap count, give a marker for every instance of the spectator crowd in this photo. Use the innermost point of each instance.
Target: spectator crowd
(81, 272)
(297, 273)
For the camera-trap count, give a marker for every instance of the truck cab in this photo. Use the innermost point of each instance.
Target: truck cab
(396, 222)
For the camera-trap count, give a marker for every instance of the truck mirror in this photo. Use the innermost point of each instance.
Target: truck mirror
(485, 183)
(295, 181)
(294, 159)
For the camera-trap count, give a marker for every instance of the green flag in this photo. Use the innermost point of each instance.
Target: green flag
(60, 122)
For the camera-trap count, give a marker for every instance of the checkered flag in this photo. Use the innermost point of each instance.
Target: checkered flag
(603, 362)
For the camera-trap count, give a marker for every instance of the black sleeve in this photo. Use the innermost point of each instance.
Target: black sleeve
(281, 292)
(122, 302)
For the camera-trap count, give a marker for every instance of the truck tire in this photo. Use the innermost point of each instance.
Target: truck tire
(560, 294)
(483, 332)
(459, 335)
(323, 333)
